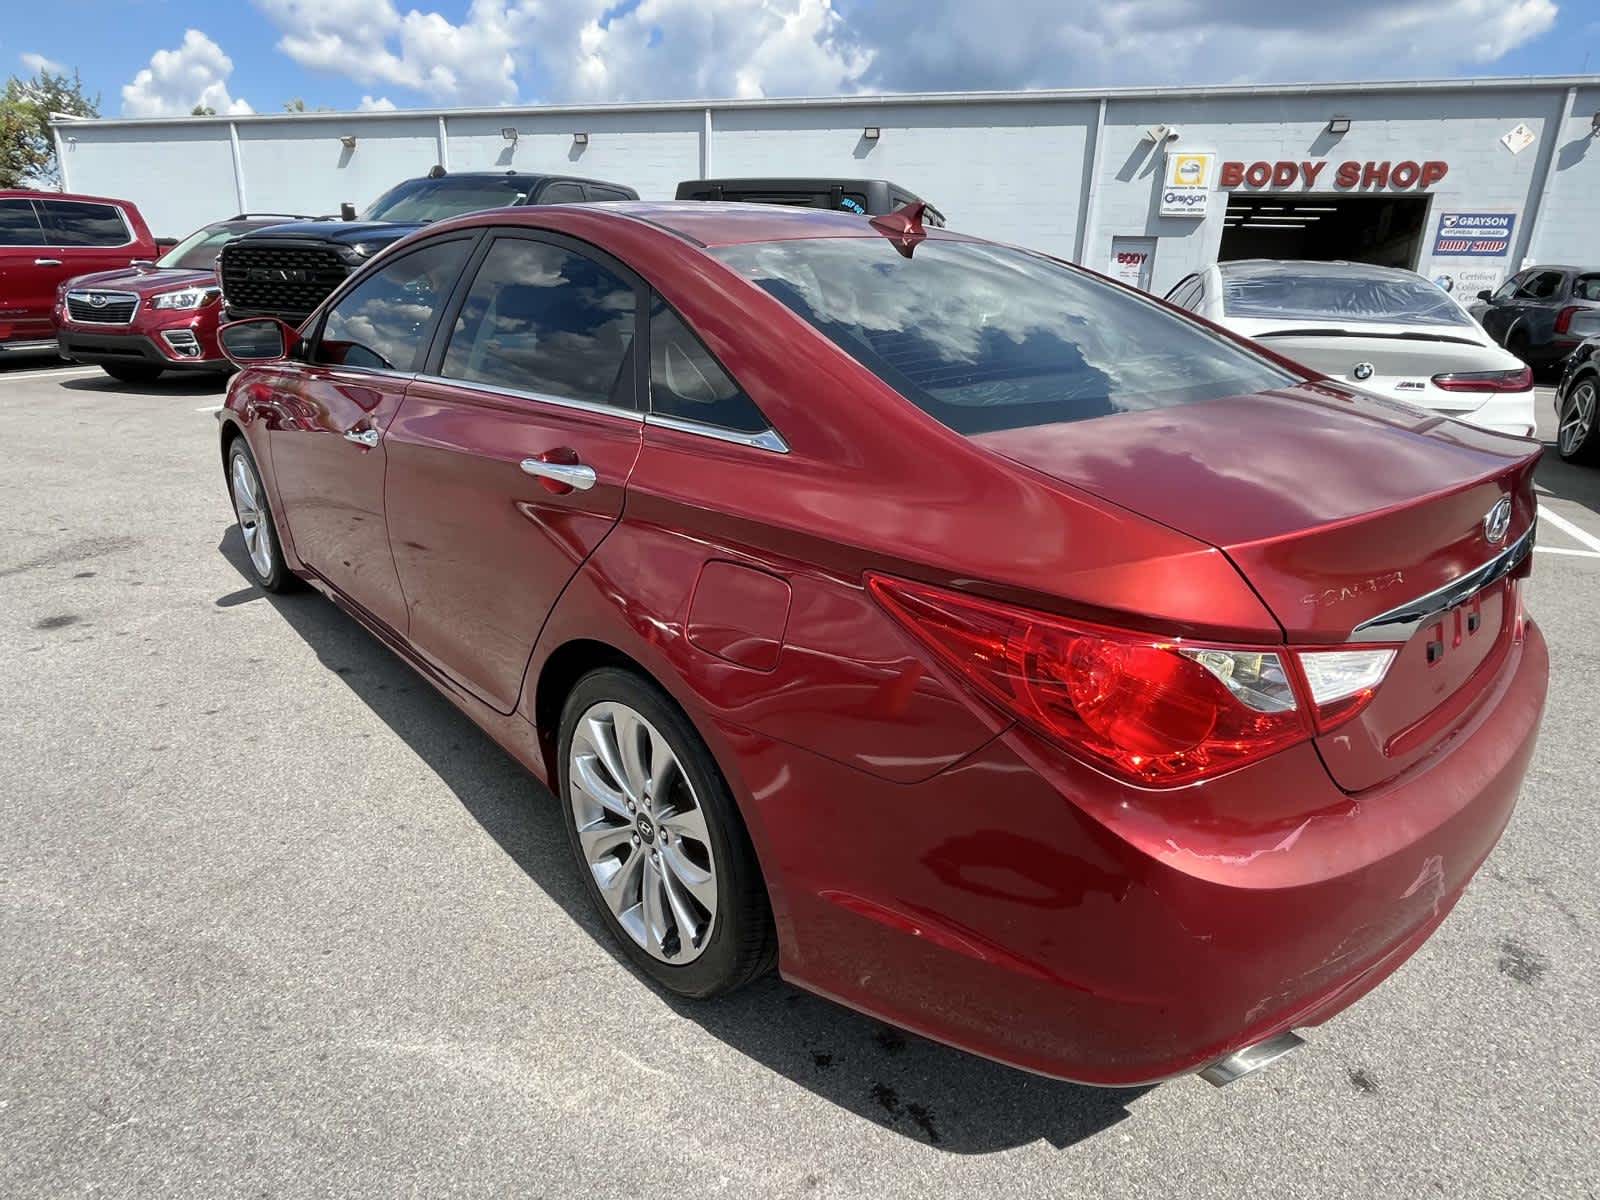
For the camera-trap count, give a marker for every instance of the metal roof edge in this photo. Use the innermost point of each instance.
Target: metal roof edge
(874, 100)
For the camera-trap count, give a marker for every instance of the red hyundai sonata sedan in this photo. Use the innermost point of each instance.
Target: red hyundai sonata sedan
(992, 647)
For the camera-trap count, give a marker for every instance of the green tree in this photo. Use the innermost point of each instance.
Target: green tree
(27, 150)
(202, 110)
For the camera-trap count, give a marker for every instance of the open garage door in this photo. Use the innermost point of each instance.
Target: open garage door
(1386, 230)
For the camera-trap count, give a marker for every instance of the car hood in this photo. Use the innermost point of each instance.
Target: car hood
(146, 281)
(1313, 491)
(347, 233)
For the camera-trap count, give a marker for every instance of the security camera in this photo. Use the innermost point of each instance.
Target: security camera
(1161, 133)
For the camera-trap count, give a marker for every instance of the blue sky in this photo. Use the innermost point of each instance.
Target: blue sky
(257, 54)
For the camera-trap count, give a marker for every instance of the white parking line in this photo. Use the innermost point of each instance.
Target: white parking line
(53, 373)
(209, 408)
(1573, 531)
(1564, 550)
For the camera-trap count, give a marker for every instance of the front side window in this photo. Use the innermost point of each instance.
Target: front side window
(1541, 286)
(19, 226)
(986, 337)
(541, 318)
(686, 382)
(1509, 288)
(75, 223)
(384, 321)
(562, 191)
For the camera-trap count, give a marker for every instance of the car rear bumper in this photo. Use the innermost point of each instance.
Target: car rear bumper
(1024, 907)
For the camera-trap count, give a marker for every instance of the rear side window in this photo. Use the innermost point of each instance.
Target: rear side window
(597, 192)
(1586, 288)
(75, 223)
(384, 321)
(986, 337)
(545, 319)
(18, 224)
(1542, 285)
(686, 382)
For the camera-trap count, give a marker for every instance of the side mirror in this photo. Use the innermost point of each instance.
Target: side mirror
(256, 341)
(143, 262)
(1485, 295)
(347, 211)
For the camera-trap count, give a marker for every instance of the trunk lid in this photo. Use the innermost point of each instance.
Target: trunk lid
(1337, 507)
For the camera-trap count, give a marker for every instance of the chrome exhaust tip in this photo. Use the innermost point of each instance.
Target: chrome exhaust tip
(1250, 1059)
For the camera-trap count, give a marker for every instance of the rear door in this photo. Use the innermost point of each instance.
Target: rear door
(28, 273)
(509, 459)
(89, 236)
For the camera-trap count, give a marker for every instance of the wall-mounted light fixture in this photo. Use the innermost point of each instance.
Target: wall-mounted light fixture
(1339, 125)
(871, 133)
(348, 141)
(580, 139)
(509, 132)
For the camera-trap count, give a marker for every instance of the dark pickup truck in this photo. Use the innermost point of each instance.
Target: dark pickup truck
(287, 270)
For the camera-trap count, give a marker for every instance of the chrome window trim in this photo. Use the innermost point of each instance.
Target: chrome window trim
(1400, 622)
(767, 439)
(82, 296)
(495, 389)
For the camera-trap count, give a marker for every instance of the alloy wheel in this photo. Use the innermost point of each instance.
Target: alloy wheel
(252, 515)
(643, 832)
(1577, 419)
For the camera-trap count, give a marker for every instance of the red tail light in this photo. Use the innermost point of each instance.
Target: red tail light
(1486, 381)
(1154, 711)
(1564, 317)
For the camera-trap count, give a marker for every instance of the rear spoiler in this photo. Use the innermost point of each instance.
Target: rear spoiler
(1356, 333)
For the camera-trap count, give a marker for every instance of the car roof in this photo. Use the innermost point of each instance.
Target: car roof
(1277, 268)
(535, 175)
(36, 194)
(719, 223)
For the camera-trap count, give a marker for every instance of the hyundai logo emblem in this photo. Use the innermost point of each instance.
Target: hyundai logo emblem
(96, 300)
(1497, 522)
(1362, 371)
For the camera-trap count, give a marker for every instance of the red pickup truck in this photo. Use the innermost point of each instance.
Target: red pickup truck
(47, 238)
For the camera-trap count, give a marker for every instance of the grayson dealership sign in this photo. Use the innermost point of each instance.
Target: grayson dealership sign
(1347, 176)
(1186, 190)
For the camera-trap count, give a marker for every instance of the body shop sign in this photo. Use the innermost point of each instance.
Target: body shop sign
(1186, 190)
(1347, 176)
(1474, 235)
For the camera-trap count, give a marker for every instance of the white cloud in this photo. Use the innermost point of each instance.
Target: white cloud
(593, 50)
(196, 73)
(381, 104)
(38, 62)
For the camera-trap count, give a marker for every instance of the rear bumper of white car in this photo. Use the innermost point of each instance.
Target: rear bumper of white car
(1503, 412)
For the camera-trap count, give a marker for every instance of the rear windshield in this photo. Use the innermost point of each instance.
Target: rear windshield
(1385, 299)
(984, 337)
(436, 199)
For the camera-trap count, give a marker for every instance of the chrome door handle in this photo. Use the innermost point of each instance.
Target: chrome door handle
(362, 437)
(574, 475)
(47, 262)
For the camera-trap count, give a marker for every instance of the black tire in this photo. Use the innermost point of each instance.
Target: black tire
(742, 944)
(132, 372)
(276, 577)
(1583, 445)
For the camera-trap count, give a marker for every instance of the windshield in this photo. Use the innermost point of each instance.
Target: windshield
(436, 199)
(198, 251)
(984, 337)
(1349, 295)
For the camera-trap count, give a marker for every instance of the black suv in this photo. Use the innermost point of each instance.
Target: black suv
(1531, 313)
(870, 197)
(287, 270)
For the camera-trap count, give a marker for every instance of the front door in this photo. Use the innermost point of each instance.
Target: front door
(29, 273)
(509, 460)
(327, 435)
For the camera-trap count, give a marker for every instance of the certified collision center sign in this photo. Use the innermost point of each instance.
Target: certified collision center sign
(1186, 190)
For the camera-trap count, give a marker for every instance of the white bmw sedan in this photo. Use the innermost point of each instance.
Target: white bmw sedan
(1383, 329)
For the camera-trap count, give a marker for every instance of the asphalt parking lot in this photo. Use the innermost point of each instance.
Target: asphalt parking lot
(276, 920)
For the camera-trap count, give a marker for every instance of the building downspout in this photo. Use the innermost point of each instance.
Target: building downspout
(61, 157)
(705, 145)
(444, 145)
(1547, 154)
(1086, 219)
(238, 167)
